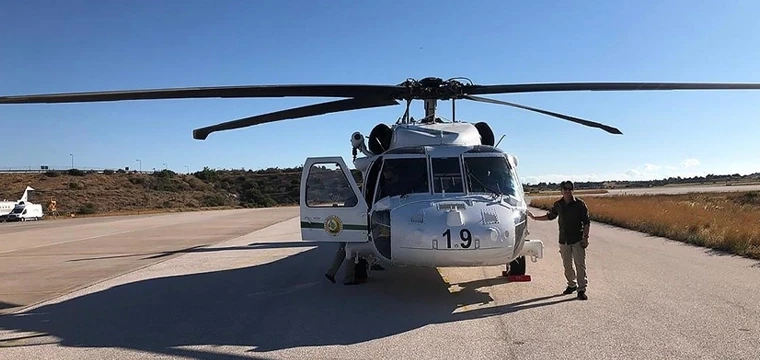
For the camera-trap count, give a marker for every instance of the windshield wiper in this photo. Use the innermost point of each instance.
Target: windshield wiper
(495, 192)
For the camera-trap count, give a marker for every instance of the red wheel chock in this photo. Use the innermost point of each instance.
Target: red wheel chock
(516, 278)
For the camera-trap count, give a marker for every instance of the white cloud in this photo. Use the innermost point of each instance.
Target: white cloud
(690, 162)
(650, 167)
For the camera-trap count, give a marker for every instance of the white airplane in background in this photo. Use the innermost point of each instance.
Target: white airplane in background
(7, 206)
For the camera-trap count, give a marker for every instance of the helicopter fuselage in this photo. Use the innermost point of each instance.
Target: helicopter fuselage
(465, 208)
(439, 204)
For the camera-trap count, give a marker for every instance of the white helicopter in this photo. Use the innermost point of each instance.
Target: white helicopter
(434, 193)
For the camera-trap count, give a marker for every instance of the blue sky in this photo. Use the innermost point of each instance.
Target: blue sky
(79, 45)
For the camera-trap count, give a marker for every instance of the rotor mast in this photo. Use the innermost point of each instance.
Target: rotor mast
(431, 89)
(430, 106)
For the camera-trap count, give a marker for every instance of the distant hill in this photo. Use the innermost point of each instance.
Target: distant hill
(109, 191)
(734, 179)
(91, 192)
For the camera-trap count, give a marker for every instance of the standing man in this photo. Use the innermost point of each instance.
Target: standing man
(574, 226)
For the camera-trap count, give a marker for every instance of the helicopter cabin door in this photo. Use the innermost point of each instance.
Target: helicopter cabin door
(332, 206)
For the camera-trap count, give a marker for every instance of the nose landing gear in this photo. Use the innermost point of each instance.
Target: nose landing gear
(516, 270)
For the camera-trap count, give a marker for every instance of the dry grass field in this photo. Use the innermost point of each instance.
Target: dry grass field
(577, 192)
(721, 221)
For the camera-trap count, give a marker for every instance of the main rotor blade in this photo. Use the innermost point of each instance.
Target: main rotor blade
(300, 112)
(352, 91)
(604, 86)
(606, 128)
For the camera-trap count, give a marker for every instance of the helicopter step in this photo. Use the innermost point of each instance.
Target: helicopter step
(515, 271)
(533, 248)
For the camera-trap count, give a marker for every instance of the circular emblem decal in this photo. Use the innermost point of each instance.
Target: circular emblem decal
(333, 225)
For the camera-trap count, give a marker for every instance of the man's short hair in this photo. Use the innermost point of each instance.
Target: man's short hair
(567, 184)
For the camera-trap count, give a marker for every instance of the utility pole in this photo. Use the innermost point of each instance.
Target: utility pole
(140, 162)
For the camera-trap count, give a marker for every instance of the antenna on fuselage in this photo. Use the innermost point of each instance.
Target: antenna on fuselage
(500, 139)
(406, 119)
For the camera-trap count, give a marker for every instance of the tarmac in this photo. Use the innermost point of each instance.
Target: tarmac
(240, 284)
(42, 259)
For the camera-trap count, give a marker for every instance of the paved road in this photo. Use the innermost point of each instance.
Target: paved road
(42, 259)
(262, 295)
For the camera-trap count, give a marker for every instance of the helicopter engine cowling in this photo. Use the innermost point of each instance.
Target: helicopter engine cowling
(380, 138)
(486, 134)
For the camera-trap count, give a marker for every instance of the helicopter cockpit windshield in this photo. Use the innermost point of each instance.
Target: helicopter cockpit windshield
(402, 176)
(455, 172)
(490, 174)
(447, 175)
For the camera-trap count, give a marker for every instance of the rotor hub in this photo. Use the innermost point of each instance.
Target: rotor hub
(431, 88)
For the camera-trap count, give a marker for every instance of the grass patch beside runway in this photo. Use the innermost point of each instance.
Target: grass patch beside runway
(723, 221)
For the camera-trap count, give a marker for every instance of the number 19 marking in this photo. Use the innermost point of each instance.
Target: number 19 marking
(464, 235)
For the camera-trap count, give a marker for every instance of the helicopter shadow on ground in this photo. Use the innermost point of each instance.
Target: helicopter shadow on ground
(725, 253)
(204, 248)
(283, 304)
(7, 305)
(713, 252)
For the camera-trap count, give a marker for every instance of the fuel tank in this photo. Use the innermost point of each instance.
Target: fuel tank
(456, 232)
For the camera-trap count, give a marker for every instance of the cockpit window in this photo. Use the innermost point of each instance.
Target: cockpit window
(403, 176)
(490, 175)
(447, 176)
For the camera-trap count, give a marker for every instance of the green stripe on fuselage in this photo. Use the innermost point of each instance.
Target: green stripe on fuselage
(319, 225)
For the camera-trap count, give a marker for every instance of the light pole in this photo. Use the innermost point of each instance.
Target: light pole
(187, 169)
(140, 162)
(164, 166)
(72, 160)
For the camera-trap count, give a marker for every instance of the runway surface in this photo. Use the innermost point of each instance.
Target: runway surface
(261, 294)
(41, 259)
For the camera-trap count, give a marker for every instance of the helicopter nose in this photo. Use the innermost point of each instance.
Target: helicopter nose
(458, 232)
(473, 226)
